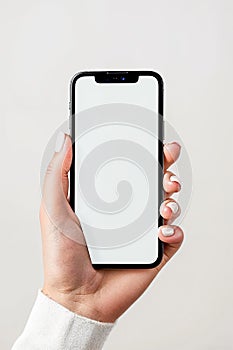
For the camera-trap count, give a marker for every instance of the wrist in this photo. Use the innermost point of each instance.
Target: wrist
(82, 305)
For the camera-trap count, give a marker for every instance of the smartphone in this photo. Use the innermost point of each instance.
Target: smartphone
(116, 176)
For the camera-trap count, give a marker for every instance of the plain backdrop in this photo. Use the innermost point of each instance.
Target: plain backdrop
(43, 43)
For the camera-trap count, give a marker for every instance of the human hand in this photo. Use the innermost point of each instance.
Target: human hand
(69, 277)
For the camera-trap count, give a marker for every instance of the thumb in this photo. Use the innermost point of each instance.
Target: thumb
(63, 153)
(56, 181)
(55, 209)
(55, 188)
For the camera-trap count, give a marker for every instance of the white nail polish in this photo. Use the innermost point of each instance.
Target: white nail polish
(167, 231)
(173, 206)
(174, 178)
(60, 141)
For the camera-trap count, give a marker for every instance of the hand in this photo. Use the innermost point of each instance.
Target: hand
(69, 277)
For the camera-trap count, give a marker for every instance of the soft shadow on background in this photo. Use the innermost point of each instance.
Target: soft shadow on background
(43, 44)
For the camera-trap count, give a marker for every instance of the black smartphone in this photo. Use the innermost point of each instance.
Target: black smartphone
(116, 125)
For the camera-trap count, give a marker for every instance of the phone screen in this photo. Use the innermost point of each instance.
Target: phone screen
(117, 182)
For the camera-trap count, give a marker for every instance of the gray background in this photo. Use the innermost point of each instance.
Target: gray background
(43, 43)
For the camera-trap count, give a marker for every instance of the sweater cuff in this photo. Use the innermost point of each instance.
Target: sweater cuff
(52, 326)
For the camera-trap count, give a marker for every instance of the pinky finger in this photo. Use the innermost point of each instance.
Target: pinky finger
(171, 234)
(173, 237)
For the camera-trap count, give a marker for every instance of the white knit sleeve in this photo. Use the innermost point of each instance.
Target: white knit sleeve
(52, 327)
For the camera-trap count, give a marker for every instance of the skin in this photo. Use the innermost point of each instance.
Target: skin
(69, 277)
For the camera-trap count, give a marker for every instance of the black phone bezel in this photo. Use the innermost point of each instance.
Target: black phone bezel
(134, 75)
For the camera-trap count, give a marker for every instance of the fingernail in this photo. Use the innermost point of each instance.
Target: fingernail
(173, 206)
(174, 178)
(167, 231)
(170, 146)
(60, 141)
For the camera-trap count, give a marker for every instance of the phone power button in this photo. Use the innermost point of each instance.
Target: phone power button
(70, 121)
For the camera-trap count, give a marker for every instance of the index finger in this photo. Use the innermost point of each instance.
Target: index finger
(171, 154)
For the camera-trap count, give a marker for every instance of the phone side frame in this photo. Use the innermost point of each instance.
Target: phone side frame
(159, 79)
